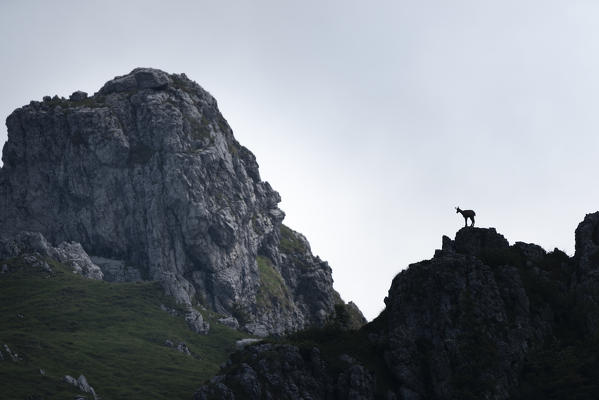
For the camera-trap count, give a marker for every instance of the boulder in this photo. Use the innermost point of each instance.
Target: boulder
(82, 384)
(231, 322)
(196, 322)
(78, 96)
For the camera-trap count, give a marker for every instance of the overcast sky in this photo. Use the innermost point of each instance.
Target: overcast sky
(372, 119)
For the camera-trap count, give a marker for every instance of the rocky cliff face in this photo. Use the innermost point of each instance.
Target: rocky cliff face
(147, 176)
(480, 320)
(586, 279)
(462, 320)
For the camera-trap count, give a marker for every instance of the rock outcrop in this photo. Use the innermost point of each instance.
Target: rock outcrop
(30, 244)
(483, 319)
(455, 321)
(81, 384)
(147, 177)
(586, 280)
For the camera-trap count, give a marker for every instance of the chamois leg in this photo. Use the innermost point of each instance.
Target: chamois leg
(465, 221)
(472, 218)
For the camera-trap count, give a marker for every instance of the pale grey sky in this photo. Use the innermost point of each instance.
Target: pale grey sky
(372, 119)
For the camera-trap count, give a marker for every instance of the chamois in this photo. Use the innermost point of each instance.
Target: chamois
(466, 214)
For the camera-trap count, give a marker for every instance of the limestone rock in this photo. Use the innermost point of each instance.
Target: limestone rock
(148, 178)
(13, 356)
(23, 243)
(196, 322)
(241, 343)
(33, 245)
(37, 261)
(116, 270)
(72, 254)
(82, 384)
(182, 347)
(70, 380)
(169, 310)
(256, 329)
(231, 322)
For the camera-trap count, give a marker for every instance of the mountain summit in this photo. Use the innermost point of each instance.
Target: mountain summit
(148, 178)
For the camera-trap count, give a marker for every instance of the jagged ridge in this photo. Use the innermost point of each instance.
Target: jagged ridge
(480, 320)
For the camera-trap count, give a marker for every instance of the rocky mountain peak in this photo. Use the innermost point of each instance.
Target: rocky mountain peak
(473, 241)
(482, 319)
(138, 79)
(147, 176)
(587, 243)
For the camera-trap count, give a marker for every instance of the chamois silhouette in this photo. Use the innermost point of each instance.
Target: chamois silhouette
(466, 214)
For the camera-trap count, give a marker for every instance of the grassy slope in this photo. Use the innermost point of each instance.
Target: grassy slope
(113, 333)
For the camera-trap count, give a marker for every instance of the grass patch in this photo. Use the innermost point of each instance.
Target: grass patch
(113, 333)
(289, 242)
(273, 290)
(89, 102)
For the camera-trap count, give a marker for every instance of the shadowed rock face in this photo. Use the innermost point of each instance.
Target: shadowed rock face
(587, 272)
(483, 319)
(587, 244)
(146, 174)
(288, 373)
(455, 319)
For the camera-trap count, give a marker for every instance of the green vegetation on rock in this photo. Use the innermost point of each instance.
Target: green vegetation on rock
(88, 102)
(289, 242)
(272, 289)
(113, 333)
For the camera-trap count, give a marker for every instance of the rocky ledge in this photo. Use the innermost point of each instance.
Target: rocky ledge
(148, 179)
